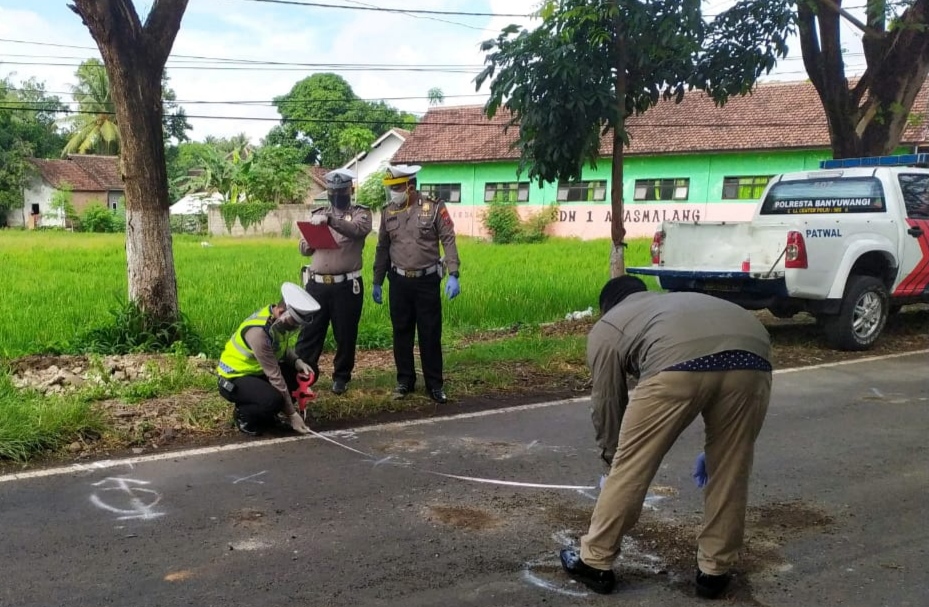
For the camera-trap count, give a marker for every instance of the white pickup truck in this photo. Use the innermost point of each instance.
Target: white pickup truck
(848, 243)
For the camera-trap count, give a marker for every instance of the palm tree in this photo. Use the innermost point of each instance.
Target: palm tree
(94, 128)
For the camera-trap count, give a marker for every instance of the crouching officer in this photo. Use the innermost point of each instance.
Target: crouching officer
(412, 228)
(258, 372)
(333, 278)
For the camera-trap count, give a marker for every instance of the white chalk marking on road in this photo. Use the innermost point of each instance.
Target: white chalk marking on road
(249, 545)
(538, 582)
(139, 508)
(535, 580)
(877, 393)
(652, 500)
(386, 460)
(587, 494)
(251, 479)
(565, 539)
(155, 457)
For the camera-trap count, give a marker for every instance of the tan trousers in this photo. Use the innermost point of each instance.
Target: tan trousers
(733, 405)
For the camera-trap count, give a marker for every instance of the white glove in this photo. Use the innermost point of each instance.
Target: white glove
(302, 367)
(296, 422)
(318, 219)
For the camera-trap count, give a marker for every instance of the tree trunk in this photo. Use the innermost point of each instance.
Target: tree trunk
(134, 56)
(867, 119)
(617, 226)
(149, 254)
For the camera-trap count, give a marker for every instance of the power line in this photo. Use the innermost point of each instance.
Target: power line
(272, 102)
(379, 9)
(259, 63)
(173, 57)
(273, 68)
(480, 29)
(497, 125)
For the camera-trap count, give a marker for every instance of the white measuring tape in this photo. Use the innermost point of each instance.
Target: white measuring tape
(471, 479)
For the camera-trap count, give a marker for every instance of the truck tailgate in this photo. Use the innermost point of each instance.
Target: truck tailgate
(722, 247)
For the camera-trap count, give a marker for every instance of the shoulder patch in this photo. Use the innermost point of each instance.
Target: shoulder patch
(446, 217)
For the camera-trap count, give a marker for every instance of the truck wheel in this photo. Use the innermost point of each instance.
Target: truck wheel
(861, 317)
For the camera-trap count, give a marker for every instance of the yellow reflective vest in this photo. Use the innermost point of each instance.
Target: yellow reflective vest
(237, 359)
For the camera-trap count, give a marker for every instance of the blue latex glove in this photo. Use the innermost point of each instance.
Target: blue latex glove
(699, 474)
(377, 294)
(452, 288)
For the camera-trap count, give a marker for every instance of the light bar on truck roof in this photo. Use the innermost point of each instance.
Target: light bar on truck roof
(876, 161)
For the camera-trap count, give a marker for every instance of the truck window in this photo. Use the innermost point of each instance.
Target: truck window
(852, 195)
(915, 188)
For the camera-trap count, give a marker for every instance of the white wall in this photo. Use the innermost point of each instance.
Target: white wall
(39, 192)
(376, 159)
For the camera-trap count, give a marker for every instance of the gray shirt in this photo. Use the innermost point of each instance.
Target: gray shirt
(649, 332)
(349, 227)
(410, 235)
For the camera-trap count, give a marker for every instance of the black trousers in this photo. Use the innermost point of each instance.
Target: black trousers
(416, 307)
(341, 306)
(255, 399)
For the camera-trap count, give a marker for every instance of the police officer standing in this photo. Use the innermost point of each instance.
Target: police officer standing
(412, 227)
(333, 278)
(258, 370)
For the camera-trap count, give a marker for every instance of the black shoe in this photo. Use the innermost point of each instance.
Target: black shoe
(711, 586)
(401, 391)
(245, 427)
(598, 580)
(438, 395)
(339, 386)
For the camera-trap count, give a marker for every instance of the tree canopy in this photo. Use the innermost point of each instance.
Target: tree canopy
(868, 114)
(591, 64)
(94, 128)
(28, 128)
(324, 118)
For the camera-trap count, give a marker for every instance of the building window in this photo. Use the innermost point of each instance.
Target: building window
(744, 188)
(446, 192)
(581, 191)
(509, 191)
(661, 189)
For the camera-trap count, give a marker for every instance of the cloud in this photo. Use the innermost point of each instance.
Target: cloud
(259, 32)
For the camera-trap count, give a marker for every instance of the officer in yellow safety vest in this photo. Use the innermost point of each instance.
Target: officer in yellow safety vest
(258, 368)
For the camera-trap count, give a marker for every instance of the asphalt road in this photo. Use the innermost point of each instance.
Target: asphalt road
(838, 512)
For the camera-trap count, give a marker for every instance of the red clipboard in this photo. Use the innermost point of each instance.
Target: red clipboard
(318, 237)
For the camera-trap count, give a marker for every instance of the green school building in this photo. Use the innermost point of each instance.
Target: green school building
(691, 161)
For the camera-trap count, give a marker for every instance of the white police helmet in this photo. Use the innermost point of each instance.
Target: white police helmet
(400, 173)
(300, 304)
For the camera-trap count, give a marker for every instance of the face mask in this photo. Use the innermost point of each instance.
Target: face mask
(340, 200)
(398, 197)
(285, 323)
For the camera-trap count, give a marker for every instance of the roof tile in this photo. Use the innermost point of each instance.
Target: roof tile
(83, 173)
(782, 115)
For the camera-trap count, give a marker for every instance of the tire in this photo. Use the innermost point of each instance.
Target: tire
(861, 317)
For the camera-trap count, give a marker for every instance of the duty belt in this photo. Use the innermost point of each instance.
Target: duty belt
(331, 279)
(417, 273)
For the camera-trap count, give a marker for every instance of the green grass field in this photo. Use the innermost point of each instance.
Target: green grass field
(55, 285)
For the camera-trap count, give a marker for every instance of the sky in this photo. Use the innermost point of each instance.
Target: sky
(366, 47)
